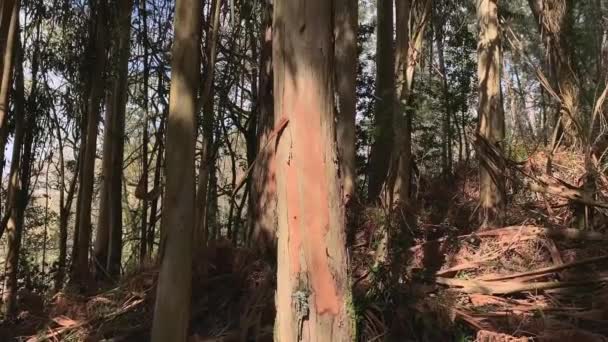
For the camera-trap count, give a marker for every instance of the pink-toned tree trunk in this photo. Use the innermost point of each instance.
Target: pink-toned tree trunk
(313, 290)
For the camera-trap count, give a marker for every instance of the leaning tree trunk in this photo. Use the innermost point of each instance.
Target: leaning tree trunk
(379, 158)
(313, 287)
(172, 308)
(81, 267)
(491, 115)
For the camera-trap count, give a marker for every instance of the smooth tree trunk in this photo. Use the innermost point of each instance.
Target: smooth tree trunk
(102, 235)
(379, 158)
(158, 168)
(263, 176)
(346, 16)
(313, 288)
(81, 267)
(14, 225)
(172, 307)
(491, 115)
(8, 45)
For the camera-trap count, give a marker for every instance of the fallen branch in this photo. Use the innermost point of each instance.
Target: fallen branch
(548, 269)
(565, 233)
(554, 186)
(510, 287)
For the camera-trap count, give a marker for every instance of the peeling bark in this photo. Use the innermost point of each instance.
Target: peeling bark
(491, 115)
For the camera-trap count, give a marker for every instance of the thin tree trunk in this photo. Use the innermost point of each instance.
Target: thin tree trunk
(103, 222)
(446, 127)
(156, 187)
(6, 70)
(15, 187)
(172, 308)
(65, 207)
(313, 287)
(207, 99)
(143, 253)
(491, 114)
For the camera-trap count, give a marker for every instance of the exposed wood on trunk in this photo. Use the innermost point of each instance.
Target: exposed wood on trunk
(313, 287)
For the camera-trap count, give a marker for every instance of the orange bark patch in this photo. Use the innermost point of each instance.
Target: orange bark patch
(308, 192)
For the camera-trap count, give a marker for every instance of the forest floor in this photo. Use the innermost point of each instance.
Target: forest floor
(536, 279)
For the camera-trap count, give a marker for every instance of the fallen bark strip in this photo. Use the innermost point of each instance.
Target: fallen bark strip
(548, 269)
(562, 233)
(555, 186)
(510, 287)
(565, 233)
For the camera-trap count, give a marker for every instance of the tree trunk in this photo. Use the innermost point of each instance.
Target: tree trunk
(263, 183)
(379, 158)
(346, 15)
(446, 125)
(412, 20)
(103, 222)
(143, 251)
(6, 70)
(81, 267)
(207, 99)
(15, 223)
(120, 93)
(65, 207)
(313, 288)
(555, 24)
(491, 114)
(157, 186)
(172, 308)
